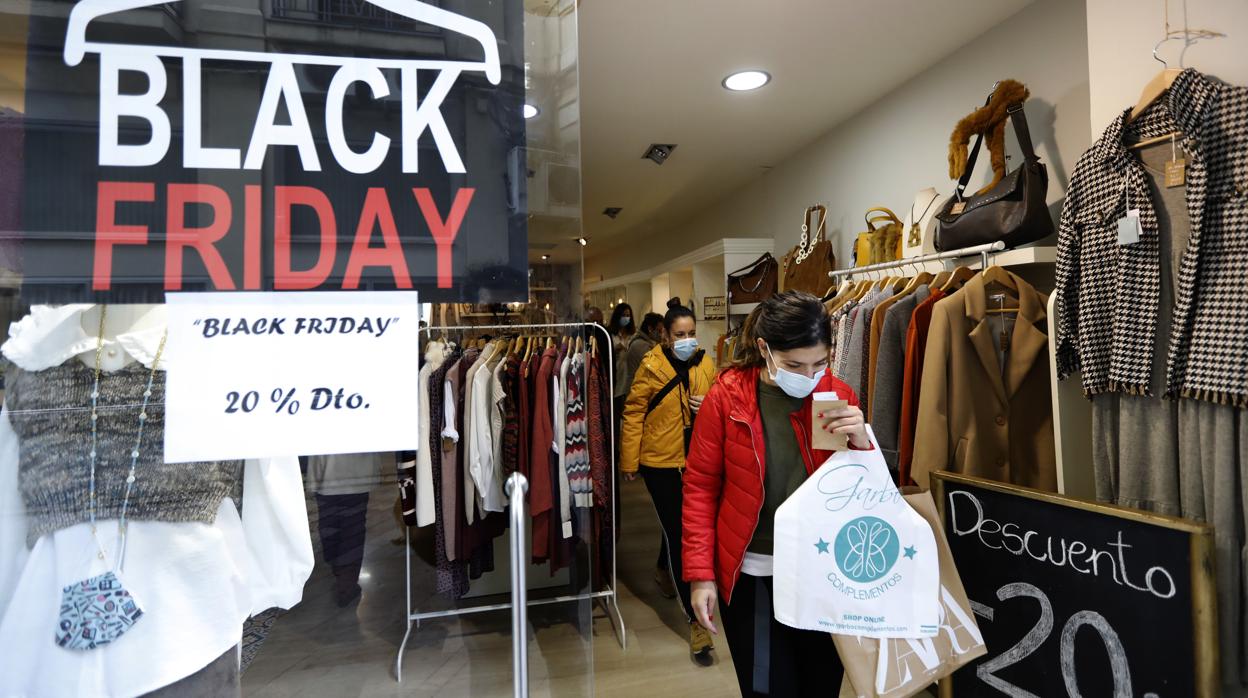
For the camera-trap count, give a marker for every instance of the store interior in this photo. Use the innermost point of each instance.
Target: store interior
(854, 116)
(858, 117)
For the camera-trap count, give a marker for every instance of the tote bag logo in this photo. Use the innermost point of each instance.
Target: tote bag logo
(866, 549)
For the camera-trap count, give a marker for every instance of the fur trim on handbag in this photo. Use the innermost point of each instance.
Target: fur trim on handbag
(990, 121)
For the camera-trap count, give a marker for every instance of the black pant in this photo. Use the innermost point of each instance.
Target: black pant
(667, 493)
(342, 519)
(796, 662)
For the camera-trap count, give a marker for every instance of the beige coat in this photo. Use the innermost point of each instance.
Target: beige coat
(975, 418)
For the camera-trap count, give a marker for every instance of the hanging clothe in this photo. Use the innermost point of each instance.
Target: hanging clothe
(985, 407)
(890, 363)
(1159, 327)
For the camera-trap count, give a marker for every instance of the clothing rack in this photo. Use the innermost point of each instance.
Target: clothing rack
(609, 597)
(982, 250)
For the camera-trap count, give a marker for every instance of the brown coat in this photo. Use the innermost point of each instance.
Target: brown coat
(974, 418)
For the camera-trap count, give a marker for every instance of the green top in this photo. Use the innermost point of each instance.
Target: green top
(785, 470)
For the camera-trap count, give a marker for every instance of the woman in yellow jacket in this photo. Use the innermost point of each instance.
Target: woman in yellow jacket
(658, 419)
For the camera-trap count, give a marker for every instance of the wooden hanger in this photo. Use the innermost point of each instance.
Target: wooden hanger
(1153, 90)
(916, 281)
(941, 279)
(998, 275)
(957, 277)
(580, 344)
(995, 278)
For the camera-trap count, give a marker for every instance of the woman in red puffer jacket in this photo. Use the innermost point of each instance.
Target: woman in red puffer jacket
(750, 451)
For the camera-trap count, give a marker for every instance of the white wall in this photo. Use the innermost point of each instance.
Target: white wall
(1122, 34)
(899, 145)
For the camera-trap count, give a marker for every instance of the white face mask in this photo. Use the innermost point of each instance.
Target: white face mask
(626, 321)
(794, 385)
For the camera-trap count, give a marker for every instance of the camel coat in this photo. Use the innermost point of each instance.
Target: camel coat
(979, 415)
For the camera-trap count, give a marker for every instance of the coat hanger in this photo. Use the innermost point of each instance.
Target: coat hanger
(996, 277)
(957, 277)
(942, 277)
(1162, 81)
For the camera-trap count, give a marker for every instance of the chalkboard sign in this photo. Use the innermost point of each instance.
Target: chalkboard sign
(1080, 599)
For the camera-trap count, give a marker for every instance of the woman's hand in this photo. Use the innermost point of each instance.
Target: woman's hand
(704, 596)
(695, 402)
(630, 476)
(849, 421)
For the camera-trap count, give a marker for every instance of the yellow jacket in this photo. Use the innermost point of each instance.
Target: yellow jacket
(658, 440)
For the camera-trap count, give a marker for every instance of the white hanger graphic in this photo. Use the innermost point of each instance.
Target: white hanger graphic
(77, 46)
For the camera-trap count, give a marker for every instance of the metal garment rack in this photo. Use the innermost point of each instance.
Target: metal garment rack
(609, 596)
(982, 250)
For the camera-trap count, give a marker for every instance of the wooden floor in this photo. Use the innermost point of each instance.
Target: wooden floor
(318, 650)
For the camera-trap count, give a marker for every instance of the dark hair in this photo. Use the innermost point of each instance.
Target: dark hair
(673, 302)
(674, 313)
(651, 322)
(614, 326)
(789, 320)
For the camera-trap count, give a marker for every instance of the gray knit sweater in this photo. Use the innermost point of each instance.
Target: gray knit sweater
(51, 412)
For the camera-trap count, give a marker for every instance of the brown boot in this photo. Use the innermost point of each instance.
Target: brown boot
(701, 644)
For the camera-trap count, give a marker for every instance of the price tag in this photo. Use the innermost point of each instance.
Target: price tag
(254, 375)
(1129, 229)
(1176, 173)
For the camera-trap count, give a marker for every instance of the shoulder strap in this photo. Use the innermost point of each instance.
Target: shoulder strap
(1021, 131)
(678, 379)
(657, 398)
(752, 265)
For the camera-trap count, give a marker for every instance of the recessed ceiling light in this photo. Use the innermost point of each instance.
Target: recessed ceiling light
(531, 111)
(583, 241)
(746, 80)
(545, 257)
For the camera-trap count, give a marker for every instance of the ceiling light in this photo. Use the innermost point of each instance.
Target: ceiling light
(545, 257)
(621, 301)
(531, 111)
(746, 80)
(583, 241)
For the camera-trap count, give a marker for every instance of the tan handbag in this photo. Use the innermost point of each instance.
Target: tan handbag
(885, 234)
(806, 266)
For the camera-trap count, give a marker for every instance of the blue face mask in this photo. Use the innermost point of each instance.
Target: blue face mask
(794, 385)
(684, 348)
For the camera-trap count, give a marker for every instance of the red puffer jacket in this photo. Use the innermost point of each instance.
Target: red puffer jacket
(723, 483)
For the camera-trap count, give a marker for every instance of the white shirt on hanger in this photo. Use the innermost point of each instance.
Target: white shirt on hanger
(425, 503)
(197, 583)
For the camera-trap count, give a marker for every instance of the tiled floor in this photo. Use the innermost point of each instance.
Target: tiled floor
(318, 650)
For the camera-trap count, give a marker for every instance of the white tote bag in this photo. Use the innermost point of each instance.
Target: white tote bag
(851, 557)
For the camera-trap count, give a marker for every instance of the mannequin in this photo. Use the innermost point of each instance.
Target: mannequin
(924, 208)
(185, 538)
(120, 319)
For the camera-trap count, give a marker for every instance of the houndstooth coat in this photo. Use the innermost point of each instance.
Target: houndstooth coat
(1108, 294)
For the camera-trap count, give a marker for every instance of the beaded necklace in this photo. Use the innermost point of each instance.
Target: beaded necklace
(98, 610)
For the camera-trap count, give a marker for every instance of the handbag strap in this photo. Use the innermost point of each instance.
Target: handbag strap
(754, 265)
(816, 234)
(888, 216)
(1021, 131)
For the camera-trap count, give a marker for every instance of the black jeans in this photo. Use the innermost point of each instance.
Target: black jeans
(782, 660)
(667, 493)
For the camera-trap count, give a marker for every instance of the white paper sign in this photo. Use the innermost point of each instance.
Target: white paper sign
(253, 375)
(851, 557)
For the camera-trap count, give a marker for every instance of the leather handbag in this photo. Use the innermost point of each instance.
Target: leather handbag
(1013, 211)
(806, 266)
(755, 282)
(885, 235)
(862, 250)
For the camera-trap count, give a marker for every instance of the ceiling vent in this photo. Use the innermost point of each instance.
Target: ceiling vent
(659, 152)
(612, 212)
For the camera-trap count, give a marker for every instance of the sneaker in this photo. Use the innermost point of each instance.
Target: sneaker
(664, 579)
(701, 644)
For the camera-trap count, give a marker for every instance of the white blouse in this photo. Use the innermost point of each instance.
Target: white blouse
(196, 583)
